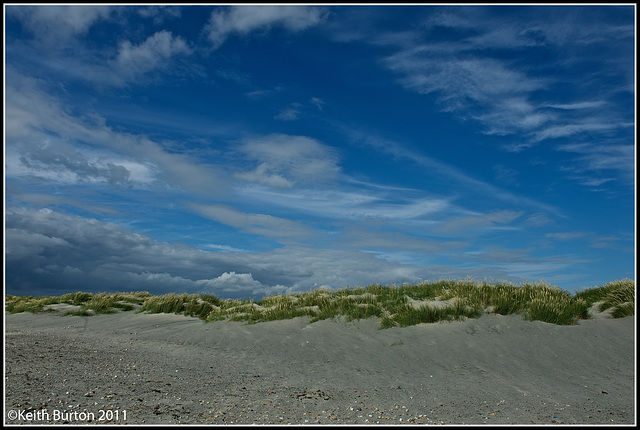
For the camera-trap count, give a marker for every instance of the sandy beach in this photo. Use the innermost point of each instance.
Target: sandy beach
(130, 368)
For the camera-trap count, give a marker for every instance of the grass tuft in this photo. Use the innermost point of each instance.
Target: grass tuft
(18, 304)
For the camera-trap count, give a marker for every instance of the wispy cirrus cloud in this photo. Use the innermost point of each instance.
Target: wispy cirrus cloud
(580, 105)
(567, 130)
(295, 110)
(615, 161)
(567, 235)
(478, 223)
(371, 237)
(442, 169)
(460, 83)
(460, 71)
(357, 204)
(477, 65)
(493, 91)
(253, 223)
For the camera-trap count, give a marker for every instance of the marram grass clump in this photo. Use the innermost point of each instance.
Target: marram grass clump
(617, 295)
(407, 305)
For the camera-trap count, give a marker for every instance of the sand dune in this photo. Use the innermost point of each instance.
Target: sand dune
(173, 369)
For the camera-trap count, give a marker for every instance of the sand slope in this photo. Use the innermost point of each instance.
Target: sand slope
(175, 369)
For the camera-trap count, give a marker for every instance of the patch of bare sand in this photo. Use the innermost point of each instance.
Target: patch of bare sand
(61, 307)
(174, 369)
(437, 304)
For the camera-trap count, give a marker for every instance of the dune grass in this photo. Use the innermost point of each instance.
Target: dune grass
(407, 305)
(17, 304)
(88, 304)
(619, 295)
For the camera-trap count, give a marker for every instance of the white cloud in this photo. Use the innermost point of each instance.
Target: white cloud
(260, 224)
(461, 70)
(223, 248)
(53, 24)
(135, 60)
(590, 181)
(579, 105)
(260, 94)
(381, 241)
(478, 223)
(263, 174)
(245, 19)
(58, 161)
(441, 169)
(59, 49)
(594, 158)
(565, 130)
(162, 282)
(505, 174)
(566, 235)
(318, 103)
(349, 204)
(460, 83)
(231, 282)
(87, 147)
(290, 114)
(284, 161)
(464, 76)
(531, 271)
(293, 112)
(160, 14)
(538, 220)
(614, 242)
(513, 113)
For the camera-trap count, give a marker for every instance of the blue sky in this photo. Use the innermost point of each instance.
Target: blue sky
(253, 150)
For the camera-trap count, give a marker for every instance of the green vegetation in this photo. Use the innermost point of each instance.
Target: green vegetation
(619, 295)
(402, 306)
(87, 303)
(17, 304)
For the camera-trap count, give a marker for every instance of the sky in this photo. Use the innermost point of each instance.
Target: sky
(246, 151)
